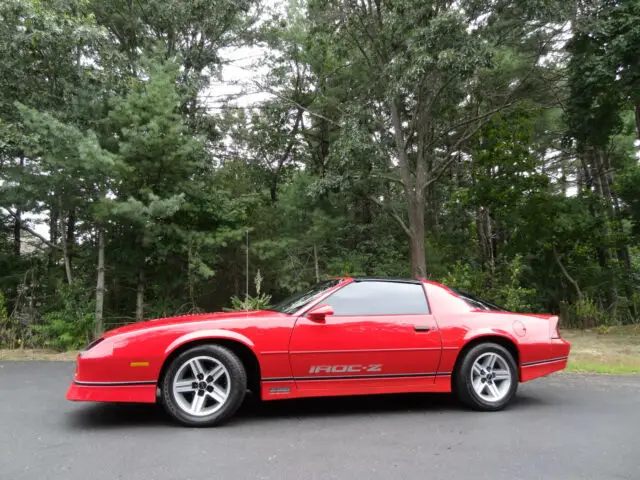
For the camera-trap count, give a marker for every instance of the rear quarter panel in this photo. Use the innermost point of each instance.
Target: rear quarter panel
(460, 324)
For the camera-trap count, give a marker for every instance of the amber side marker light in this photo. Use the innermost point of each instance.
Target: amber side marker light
(139, 364)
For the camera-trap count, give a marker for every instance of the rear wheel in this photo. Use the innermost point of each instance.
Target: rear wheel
(487, 377)
(204, 386)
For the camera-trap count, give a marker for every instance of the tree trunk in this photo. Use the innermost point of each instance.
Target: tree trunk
(485, 240)
(563, 182)
(638, 119)
(315, 262)
(190, 277)
(565, 272)
(71, 234)
(613, 207)
(17, 223)
(65, 253)
(624, 256)
(53, 232)
(414, 193)
(17, 230)
(418, 260)
(580, 179)
(600, 175)
(98, 329)
(416, 237)
(140, 296)
(286, 155)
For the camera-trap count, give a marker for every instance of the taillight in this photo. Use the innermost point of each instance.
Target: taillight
(555, 330)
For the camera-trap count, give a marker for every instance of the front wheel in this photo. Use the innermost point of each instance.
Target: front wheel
(487, 377)
(204, 386)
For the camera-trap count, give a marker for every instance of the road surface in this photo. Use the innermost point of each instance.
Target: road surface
(562, 427)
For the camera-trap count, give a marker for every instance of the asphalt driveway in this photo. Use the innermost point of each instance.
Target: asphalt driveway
(562, 427)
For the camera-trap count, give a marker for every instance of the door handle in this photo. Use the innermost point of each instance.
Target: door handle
(421, 328)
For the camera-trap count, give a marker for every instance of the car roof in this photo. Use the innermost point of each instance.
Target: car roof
(383, 279)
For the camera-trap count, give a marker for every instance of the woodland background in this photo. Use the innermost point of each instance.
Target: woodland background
(490, 145)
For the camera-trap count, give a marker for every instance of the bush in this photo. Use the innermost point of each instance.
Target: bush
(15, 329)
(260, 302)
(70, 327)
(628, 309)
(9, 336)
(506, 291)
(464, 277)
(513, 296)
(584, 313)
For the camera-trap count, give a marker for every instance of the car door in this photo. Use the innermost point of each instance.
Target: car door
(380, 333)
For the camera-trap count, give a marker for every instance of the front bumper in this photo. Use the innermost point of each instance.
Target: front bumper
(101, 377)
(112, 392)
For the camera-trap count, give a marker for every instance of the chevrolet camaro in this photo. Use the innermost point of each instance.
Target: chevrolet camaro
(346, 336)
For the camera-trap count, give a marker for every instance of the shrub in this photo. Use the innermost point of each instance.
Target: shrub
(70, 327)
(260, 302)
(512, 295)
(464, 277)
(584, 313)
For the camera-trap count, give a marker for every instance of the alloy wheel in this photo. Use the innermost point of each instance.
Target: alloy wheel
(201, 386)
(491, 377)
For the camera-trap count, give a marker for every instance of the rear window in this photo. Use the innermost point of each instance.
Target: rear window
(477, 302)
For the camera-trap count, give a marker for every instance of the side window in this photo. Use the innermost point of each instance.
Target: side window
(379, 298)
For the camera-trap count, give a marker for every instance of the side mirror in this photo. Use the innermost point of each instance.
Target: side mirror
(319, 312)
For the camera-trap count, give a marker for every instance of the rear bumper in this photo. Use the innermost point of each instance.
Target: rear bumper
(540, 369)
(112, 392)
(559, 355)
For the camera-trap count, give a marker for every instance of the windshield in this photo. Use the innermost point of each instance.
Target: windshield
(477, 302)
(296, 302)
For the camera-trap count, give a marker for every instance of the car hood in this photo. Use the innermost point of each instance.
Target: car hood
(200, 317)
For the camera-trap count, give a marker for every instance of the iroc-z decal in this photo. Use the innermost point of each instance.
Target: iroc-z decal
(371, 368)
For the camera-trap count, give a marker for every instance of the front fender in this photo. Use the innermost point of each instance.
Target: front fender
(208, 335)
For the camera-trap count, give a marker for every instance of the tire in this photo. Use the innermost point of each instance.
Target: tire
(495, 391)
(210, 397)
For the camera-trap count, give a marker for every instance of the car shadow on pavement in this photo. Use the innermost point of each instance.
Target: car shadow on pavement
(117, 415)
(354, 406)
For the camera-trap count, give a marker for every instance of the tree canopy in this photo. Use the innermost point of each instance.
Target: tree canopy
(492, 146)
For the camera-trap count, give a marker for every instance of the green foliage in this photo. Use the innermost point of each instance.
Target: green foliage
(9, 334)
(509, 293)
(69, 327)
(258, 302)
(261, 301)
(512, 295)
(462, 276)
(3, 309)
(585, 313)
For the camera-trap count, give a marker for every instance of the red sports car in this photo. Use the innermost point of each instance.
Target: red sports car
(346, 336)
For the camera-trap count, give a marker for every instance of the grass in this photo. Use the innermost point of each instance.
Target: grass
(612, 350)
(36, 354)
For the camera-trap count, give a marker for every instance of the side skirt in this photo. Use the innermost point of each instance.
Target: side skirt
(284, 388)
